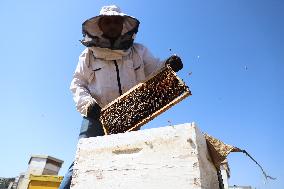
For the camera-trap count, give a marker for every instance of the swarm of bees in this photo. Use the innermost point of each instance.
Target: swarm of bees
(144, 102)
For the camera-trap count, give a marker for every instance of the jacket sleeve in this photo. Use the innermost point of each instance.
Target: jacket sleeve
(79, 85)
(151, 64)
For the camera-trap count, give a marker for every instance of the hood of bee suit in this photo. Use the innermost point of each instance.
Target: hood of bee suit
(92, 34)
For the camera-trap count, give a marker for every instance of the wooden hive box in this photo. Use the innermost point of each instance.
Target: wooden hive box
(174, 157)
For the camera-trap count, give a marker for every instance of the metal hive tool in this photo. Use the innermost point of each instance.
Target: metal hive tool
(143, 102)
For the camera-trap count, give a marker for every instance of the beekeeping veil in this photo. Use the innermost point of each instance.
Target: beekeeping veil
(93, 35)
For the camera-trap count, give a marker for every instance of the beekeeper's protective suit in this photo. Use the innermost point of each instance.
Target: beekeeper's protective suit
(107, 69)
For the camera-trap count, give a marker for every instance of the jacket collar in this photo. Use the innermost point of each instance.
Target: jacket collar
(108, 54)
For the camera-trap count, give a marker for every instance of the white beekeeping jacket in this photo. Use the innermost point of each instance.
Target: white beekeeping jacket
(99, 72)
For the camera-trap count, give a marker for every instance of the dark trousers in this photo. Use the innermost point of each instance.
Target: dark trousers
(89, 128)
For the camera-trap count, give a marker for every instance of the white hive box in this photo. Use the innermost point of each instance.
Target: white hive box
(173, 157)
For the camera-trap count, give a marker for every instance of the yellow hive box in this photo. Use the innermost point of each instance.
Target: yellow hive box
(44, 181)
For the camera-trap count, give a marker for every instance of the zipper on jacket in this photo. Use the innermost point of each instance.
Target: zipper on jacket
(118, 77)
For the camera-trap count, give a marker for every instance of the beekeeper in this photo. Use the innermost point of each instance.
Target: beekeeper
(110, 65)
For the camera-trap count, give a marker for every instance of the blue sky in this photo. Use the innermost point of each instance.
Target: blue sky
(234, 49)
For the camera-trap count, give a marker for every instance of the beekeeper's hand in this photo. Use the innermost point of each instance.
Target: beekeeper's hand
(94, 111)
(175, 63)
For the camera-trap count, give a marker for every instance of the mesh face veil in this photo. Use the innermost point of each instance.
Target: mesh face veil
(93, 35)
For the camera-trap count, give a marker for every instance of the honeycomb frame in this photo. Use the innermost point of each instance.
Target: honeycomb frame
(121, 116)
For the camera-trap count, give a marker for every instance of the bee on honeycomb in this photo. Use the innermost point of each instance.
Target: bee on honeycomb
(144, 102)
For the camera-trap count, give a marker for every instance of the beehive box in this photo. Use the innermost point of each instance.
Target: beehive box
(161, 158)
(44, 181)
(144, 102)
